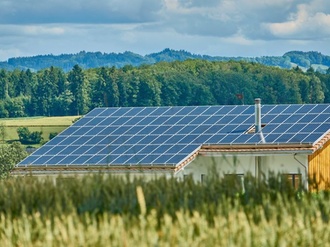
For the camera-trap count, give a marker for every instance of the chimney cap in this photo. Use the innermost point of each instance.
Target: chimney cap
(257, 100)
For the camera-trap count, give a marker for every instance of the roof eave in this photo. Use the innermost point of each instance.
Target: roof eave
(19, 170)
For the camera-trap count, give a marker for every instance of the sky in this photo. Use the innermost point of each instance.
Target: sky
(231, 28)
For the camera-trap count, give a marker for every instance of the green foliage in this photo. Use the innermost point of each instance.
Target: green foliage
(51, 92)
(27, 137)
(10, 155)
(2, 132)
(52, 135)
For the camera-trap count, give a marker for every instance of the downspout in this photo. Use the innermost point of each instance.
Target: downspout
(305, 168)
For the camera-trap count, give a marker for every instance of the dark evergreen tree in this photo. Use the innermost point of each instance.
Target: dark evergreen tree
(78, 87)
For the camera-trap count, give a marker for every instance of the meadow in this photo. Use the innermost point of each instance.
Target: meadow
(107, 210)
(45, 124)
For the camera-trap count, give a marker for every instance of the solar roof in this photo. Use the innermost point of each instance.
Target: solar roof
(168, 135)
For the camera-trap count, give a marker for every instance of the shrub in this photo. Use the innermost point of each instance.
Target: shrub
(52, 135)
(9, 156)
(27, 137)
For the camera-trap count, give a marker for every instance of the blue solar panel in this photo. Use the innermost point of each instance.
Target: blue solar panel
(168, 135)
(94, 121)
(162, 159)
(198, 110)
(42, 160)
(80, 150)
(225, 119)
(105, 112)
(211, 111)
(148, 149)
(121, 112)
(134, 111)
(278, 109)
(320, 109)
(238, 110)
(81, 131)
(29, 160)
(94, 131)
(81, 159)
(322, 118)
(134, 139)
(305, 109)
(173, 130)
(94, 159)
(97, 111)
(291, 109)
(134, 149)
(161, 139)
(242, 138)
(122, 159)
(56, 159)
(69, 131)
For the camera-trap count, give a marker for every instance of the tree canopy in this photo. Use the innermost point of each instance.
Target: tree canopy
(52, 91)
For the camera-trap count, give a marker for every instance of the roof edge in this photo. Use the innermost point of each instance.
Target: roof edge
(49, 169)
(323, 140)
(257, 146)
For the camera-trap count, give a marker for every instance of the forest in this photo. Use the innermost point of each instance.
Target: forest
(88, 60)
(54, 92)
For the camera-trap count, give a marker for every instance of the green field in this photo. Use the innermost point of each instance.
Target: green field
(115, 211)
(45, 124)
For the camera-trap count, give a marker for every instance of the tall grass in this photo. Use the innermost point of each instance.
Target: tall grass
(100, 210)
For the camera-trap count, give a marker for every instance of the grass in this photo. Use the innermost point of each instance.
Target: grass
(99, 210)
(45, 124)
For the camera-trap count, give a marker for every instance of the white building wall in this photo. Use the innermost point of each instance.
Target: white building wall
(243, 164)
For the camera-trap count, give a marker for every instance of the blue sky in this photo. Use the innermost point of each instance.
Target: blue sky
(246, 28)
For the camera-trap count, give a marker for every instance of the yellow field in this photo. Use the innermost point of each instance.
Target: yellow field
(38, 121)
(45, 124)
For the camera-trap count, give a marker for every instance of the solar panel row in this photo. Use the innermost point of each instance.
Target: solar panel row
(167, 135)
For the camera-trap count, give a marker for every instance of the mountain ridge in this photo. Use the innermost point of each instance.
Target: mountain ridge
(87, 60)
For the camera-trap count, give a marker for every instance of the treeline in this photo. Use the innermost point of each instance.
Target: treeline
(53, 92)
(87, 60)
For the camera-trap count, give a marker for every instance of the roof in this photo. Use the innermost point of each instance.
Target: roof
(172, 136)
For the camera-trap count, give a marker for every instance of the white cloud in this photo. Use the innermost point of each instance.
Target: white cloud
(214, 27)
(304, 24)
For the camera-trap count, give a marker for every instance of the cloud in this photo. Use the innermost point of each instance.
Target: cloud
(215, 27)
(77, 11)
(309, 22)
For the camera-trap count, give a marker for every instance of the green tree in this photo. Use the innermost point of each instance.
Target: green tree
(106, 92)
(78, 87)
(10, 155)
(15, 106)
(27, 137)
(3, 84)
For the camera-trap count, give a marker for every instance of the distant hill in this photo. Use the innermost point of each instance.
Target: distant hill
(87, 60)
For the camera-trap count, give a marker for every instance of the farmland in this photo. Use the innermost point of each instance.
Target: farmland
(99, 210)
(45, 124)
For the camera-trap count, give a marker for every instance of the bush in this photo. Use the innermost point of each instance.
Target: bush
(27, 137)
(52, 135)
(10, 155)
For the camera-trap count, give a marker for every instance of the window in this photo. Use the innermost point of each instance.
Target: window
(295, 180)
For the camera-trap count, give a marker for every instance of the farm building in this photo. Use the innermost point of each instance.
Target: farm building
(180, 140)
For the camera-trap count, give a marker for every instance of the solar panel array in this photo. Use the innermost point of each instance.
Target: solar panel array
(168, 135)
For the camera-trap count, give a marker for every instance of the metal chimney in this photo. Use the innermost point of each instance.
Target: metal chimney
(257, 108)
